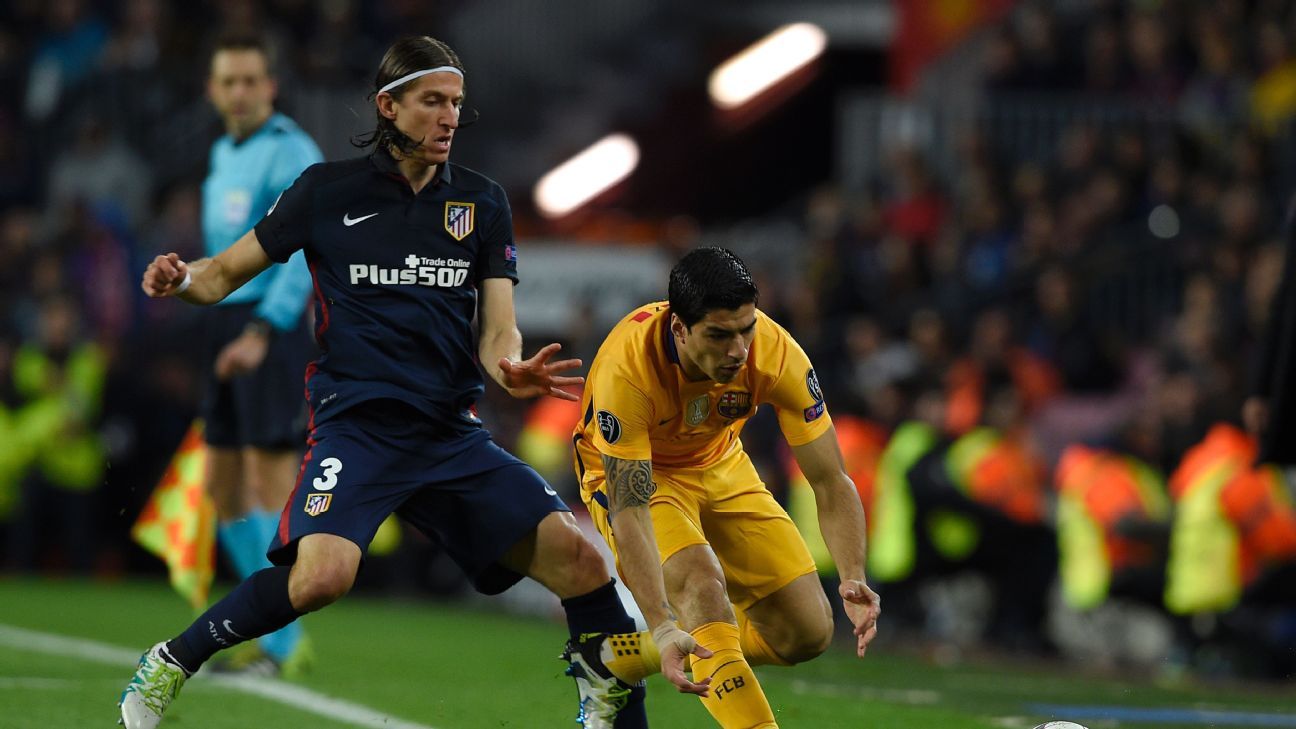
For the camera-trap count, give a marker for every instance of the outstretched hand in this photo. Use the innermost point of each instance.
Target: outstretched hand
(538, 376)
(674, 645)
(862, 607)
(164, 275)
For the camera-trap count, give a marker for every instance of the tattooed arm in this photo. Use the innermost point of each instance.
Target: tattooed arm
(629, 489)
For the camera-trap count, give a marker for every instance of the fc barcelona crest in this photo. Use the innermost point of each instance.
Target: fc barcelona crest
(734, 404)
(317, 504)
(459, 219)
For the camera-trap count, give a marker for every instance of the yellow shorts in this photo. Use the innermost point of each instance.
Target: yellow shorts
(727, 507)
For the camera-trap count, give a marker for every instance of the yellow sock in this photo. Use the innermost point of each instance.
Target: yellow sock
(736, 700)
(755, 649)
(631, 656)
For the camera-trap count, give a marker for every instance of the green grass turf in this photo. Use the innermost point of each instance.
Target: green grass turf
(457, 667)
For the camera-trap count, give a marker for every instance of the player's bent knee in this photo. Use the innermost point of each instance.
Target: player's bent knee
(310, 590)
(584, 570)
(589, 562)
(807, 643)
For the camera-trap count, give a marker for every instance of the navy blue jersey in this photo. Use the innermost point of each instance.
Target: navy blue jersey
(395, 278)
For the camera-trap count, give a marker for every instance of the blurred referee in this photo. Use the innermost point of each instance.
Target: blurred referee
(257, 338)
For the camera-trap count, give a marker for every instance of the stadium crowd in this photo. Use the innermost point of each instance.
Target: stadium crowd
(1037, 363)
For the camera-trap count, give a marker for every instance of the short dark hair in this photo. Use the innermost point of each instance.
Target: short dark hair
(707, 279)
(245, 41)
(406, 55)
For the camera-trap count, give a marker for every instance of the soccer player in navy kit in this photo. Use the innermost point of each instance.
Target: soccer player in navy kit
(404, 248)
(258, 339)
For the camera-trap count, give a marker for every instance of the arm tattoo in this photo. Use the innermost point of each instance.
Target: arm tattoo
(629, 483)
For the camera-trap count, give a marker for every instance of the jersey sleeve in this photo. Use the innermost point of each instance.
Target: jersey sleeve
(622, 413)
(497, 253)
(286, 227)
(797, 397)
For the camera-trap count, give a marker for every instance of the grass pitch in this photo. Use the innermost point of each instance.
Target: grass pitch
(67, 647)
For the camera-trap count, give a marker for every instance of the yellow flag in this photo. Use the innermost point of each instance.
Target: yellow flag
(178, 523)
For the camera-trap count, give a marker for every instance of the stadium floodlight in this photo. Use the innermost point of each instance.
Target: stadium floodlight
(765, 63)
(583, 177)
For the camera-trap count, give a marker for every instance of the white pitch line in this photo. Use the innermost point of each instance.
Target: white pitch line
(914, 697)
(267, 688)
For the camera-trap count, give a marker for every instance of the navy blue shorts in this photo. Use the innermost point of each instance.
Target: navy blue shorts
(265, 408)
(464, 492)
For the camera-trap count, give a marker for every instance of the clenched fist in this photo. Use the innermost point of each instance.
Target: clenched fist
(164, 276)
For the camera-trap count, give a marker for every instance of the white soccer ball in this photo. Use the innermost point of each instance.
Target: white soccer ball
(1060, 725)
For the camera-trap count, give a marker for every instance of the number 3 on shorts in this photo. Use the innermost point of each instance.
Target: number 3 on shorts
(332, 467)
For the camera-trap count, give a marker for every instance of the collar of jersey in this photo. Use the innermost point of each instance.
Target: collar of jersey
(276, 122)
(386, 164)
(668, 342)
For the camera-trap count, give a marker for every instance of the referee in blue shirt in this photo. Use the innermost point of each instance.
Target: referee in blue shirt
(257, 338)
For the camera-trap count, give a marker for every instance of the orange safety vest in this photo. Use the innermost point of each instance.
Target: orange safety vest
(999, 472)
(1257, 502)
(1205, 571)
(862, 443)
(1098, 489)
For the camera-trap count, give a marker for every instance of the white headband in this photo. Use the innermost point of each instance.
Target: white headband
(411, 76)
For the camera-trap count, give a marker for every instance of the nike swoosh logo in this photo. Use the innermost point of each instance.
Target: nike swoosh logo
(349, 221)
(229, 626)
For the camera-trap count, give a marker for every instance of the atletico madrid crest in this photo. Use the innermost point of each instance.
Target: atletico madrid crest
(459, 219)
(317, 504)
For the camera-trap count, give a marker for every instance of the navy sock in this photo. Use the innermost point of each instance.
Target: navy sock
(259, 605)
(601, 611)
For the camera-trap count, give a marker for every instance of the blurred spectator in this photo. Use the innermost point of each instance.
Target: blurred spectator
(66, 54)
(137, 42)
(1063, 335)
(1104, 60)
(995, 360)
(1273, 97)
(1218, 92)
(99, 170)
(59, 378)
(1156, 76)
(335, 52)
(916, 209)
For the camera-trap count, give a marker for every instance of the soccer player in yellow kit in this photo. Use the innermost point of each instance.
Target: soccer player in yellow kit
(700, 542)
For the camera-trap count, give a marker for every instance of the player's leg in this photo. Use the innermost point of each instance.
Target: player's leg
(271, 598)
(500, 522)
(316, 553)
(783, 615)
(792, 625)
(559, 556)
(695, 583)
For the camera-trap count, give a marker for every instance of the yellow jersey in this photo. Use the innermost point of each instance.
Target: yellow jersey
(638, 405)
